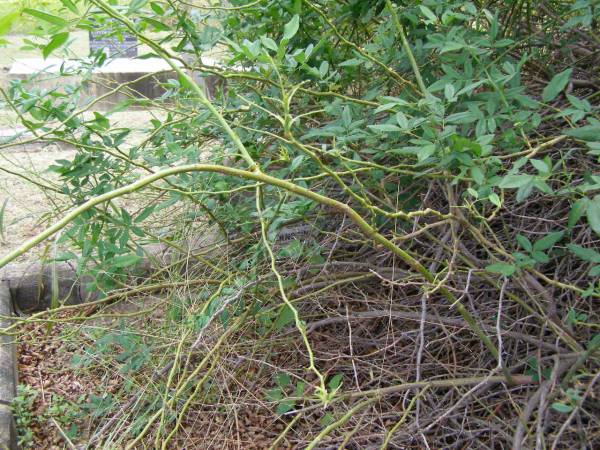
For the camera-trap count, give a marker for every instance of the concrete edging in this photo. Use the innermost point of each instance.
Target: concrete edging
(30, 284)
(8, 374)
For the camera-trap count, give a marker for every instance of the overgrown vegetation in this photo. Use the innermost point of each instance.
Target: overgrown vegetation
(403, 204)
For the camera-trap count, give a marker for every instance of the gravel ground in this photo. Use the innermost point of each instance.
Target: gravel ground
(26, 206)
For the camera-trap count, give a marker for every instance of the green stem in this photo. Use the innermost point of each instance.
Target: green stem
(184, 76)
(341, 421)
(406, 45)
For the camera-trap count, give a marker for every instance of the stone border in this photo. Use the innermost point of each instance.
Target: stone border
(8, 375)
(30, 285)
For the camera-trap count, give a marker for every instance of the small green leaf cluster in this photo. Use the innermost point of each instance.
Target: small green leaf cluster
(55, 407)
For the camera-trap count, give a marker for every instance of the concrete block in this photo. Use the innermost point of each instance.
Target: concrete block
(30, 284)
(8, 433)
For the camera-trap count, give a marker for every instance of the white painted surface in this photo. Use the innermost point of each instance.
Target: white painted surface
(28, 66)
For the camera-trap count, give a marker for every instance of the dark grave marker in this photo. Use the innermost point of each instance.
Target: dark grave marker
(113, 46)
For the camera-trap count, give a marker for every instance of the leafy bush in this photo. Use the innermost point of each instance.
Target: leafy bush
(434, 162)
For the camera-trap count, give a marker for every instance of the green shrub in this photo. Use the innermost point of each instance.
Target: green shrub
(434, 161)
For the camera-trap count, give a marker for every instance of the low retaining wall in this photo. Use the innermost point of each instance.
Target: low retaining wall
(32, 285)
(54, 73)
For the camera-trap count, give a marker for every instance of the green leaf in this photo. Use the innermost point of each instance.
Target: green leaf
(586, 133)
(501, 268)
(593, 214)
(335, 381)
(291, 28)
(269, 43)
(524, 242)
(451, 47)
(495, 199)
(449, 92)
(577, 210)
(562, 407)
(586, 254)
(594, 271)
(50, 18)
(299, 391)
(425, 152)
(285, 406)
(428, 13)
(548, 241)
(283, 379)
(402, 120)
(296, 162)
(327, 419)
(274, 395)
(524, 191)
(6, 22)
(582, 105)
(157, 8)
(292, 250)
(157, 25)
(385, 128)
(70, 5)
(556, 85)
(57, 41)
(65, 256)
(540, 257)
(462, 118)
(514, 181)
(125, 260)
(285, 317)
(101, 120)
(323, 68)
(136, 5)
(346, 117)
(144, 214)
(594, 342)
(540, 165)
(478, 175)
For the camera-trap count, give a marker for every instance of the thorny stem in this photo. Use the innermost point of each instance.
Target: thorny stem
(300, 326)
(343, 208)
